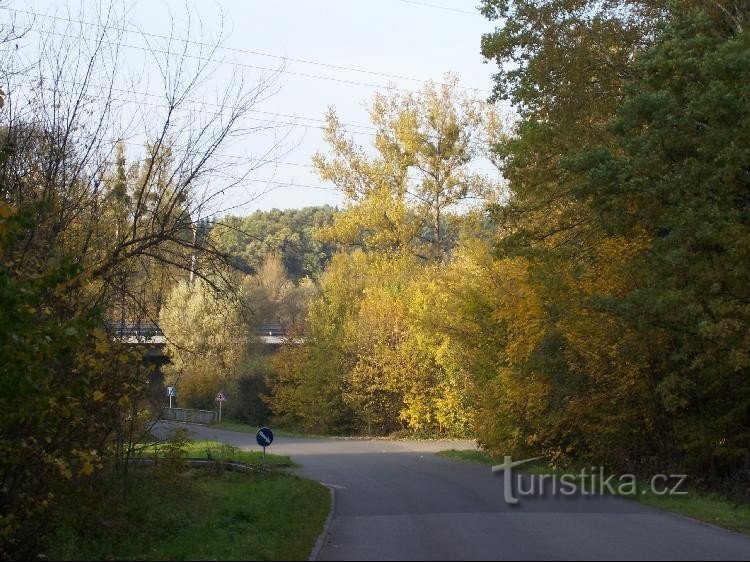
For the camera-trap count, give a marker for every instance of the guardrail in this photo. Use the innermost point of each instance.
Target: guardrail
(186, 415)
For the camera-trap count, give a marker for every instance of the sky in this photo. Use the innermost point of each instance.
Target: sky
(414, 40)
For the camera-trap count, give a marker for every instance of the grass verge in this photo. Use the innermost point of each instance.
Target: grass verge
(195, 515)
(223, 452)
(247, 428)
(703, 506)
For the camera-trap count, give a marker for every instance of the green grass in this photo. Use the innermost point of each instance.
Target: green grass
(196, 514)
(706, 507)
(224, 452)
(698, 504)
(214, 450)
(248, 428)
(469, 456)
(482, 457)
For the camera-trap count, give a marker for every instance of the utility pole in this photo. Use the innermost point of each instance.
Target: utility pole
(194, 257)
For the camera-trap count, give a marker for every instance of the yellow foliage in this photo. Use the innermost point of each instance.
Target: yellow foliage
(207, 340)
(6, 210)
(397, 199)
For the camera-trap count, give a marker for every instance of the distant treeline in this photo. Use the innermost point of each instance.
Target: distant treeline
(289, 234)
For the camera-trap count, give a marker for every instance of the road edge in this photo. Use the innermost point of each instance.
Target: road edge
(695, 520)
(320, 542)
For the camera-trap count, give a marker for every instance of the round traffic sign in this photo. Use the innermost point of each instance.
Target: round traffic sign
(264, 437)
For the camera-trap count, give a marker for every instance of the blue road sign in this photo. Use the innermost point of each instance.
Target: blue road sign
(264, 437)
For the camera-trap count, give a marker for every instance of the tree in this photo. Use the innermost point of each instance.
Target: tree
(375, 358)
(272, 299)
(624, 210)
(401, 197)
(208, 341)
(679, 178)
(564, 64)
(290, 234)
(66, 388)
(75, 145)
(80, 234)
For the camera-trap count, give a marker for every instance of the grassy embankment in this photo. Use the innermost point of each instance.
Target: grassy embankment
(700, 505)
(247, 428)
(189, 514)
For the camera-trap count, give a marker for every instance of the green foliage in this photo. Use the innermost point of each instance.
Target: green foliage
(679, 176)
(171, 454)
(64, 387)
(88, 240)
(289, 234)
(627, 231)
(248, 390)
(222, 452)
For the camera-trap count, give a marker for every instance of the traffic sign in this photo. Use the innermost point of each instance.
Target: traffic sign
(264, 437)
(171, 394)
(220, 398)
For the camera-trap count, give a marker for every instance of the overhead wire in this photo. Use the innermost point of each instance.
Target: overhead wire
(237, 64)
(440, 7)
(247, 51)
(372, 131)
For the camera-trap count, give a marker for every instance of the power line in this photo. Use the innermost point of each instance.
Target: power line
(305, 185)
(251, 52)
(293, 164)
(237, 64)
(313, 167)
(224, 107)
(439, 7)
(210, 104)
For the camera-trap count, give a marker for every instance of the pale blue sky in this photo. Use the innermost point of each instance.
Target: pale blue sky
(394, 37)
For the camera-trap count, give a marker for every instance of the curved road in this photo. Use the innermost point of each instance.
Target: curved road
(397, 500)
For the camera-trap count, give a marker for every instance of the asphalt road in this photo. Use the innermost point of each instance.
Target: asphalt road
(399, 501)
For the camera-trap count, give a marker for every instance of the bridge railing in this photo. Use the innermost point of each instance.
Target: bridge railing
(270, 330)
(134, 330)
(186, 415)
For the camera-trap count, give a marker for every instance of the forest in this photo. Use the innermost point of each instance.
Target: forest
(591, 307)
(567, 279)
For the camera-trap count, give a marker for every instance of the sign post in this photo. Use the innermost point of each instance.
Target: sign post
(264, 437)
(171, 394)
(220, 398)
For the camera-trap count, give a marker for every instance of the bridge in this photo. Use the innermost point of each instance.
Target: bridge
(152, 337)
